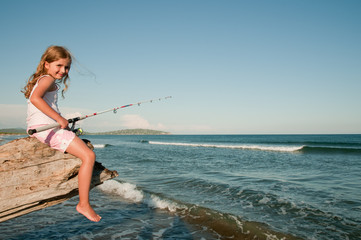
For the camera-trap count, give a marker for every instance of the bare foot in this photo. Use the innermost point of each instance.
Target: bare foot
(88, 212)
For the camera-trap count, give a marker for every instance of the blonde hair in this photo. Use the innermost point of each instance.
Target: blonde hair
(52, 53)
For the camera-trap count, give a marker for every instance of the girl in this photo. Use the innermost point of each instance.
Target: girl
(42, 94)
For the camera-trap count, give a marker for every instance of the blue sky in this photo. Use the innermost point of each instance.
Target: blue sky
(232, 67)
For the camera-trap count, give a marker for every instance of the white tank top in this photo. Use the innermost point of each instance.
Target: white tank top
(37, 117)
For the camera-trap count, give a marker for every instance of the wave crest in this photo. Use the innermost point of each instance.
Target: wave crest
(277, 148)
(245, 146)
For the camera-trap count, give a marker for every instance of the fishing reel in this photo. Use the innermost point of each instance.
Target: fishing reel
(77, 131)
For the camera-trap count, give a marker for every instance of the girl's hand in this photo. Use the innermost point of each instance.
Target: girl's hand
(62, 122)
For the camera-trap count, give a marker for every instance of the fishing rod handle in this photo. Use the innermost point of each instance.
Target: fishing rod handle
(43, 128)
(50, 126)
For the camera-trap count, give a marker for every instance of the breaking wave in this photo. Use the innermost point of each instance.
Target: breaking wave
(278, 148)
(246, 146)
(224, 224)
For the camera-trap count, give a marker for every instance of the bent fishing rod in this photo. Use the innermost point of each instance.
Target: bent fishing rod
(74, 120)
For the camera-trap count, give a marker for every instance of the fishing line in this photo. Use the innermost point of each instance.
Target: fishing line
(74, 120)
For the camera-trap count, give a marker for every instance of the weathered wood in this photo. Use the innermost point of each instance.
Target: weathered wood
(34, 176)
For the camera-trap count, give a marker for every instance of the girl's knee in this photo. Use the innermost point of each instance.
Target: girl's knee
(90, 157)
(93, 156)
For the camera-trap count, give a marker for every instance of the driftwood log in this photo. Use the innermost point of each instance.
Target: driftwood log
(34, 176)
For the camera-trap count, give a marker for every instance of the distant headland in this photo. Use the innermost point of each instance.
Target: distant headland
(12, 131)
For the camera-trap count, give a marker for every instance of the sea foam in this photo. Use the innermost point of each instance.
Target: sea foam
(156, 202)
(125, 190)
(99, 145)
(130, 192)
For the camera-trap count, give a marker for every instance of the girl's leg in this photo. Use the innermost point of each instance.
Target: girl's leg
(79, 149)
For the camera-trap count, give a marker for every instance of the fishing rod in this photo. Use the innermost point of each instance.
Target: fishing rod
(74, 120)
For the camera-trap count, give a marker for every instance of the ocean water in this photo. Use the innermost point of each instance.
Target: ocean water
(214, 187)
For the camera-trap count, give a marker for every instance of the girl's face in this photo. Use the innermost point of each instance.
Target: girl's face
(58, 69)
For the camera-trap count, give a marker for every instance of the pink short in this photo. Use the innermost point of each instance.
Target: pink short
(56, 138)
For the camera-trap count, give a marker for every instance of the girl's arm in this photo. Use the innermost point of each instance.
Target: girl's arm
(44, 85)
